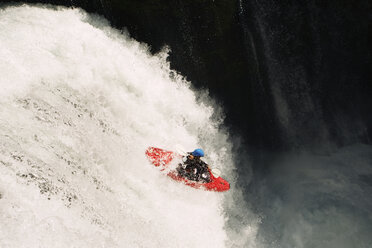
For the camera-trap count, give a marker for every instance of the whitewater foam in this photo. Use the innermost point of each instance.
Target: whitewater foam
(80, 103)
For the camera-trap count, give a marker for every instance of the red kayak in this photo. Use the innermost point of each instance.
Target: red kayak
(162, 158)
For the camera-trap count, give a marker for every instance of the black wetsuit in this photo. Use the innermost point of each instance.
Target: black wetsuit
(196, 170)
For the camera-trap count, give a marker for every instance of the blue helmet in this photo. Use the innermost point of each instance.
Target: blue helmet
(198, 152)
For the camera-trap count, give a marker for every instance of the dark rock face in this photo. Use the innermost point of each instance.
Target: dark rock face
(290, 74)
(314, 57)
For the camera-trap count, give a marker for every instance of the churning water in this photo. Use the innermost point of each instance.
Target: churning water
(79, 104)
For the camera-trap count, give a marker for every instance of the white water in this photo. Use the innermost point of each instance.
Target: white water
(323, 200)
(79, 104)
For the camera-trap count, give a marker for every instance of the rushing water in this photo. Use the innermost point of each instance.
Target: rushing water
(80, 103)
(317, 200)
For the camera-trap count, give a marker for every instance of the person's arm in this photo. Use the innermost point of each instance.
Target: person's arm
(205, 164)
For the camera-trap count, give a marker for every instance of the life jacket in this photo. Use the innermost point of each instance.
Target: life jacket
(197, 169)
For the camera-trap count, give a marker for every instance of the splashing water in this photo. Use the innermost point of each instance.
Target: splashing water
(79, 104)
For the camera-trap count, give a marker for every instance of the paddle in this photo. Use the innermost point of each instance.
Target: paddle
(180, 150)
